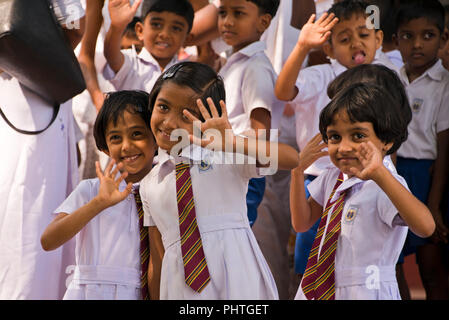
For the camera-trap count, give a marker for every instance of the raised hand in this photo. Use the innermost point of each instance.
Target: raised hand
(122, 12)
(216, 129)
(109, 193)
(312, 152)
(370, 159)
(315, 33)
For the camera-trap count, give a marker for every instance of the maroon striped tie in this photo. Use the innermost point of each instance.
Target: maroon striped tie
(318, 281)
(196, 272)
(144, 247)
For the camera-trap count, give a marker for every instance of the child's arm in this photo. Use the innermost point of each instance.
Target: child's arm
(86, 57)
(312, 35)
(121, 13)
(155, 262)
(65, 226)
(219, 136)
(439, 180)
(414, 213)
(304, 213)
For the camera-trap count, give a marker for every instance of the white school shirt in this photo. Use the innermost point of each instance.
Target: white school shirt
(236, 265)
(312, 97)
(429, 99)
(371, 239)
(138, 72)
(107, 248)
(249, 81)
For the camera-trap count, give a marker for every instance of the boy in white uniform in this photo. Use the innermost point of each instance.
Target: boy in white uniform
(423, 158)
(164, 28)
(38, 172)
(249, 76)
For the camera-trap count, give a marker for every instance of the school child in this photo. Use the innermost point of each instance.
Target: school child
(164, 28)
(346, 39)
(363, 195)
(37, 172)
(423, 158)
(249, 76)
(102, 213)
(228, 261)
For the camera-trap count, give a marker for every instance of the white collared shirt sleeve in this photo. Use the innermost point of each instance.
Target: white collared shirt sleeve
(318, 187)
(387, 211)
(122, 79)
(257, 88)
(67, 11)
(78, 198)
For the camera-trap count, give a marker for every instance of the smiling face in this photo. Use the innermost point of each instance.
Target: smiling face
(163, 34)
(344, 138)
(130, 141)
(352, 43)
(168, 113)
(240, 23)
(419, 41)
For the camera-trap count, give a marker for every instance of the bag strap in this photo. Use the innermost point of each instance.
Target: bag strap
(55, 113)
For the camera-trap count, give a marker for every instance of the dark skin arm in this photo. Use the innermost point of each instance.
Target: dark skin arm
(86, 58)
(301, 12)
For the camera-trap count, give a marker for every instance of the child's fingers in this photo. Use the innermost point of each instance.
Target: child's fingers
(190, 116)
(322, 18)
(224, 110)
(203, 110)
(98, 170)
(329, 19)
(136, 5)
(212, 108)
(199, 142)
(107, 171)
(116, 170)
(312, 18)
(122, 177)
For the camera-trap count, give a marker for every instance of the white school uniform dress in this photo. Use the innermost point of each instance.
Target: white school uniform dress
(37, 173)
(107, 248)
(371, 239)
(429, 99)
(312, 97)
(249, 81)
(138, 72)
(236, 265)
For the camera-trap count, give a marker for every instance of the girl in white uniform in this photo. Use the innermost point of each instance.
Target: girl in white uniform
(236, 265)
(360, 126)
(101, 212)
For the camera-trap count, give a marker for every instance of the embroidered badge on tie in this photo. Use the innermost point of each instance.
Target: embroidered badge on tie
(350, 214)
(417, 104)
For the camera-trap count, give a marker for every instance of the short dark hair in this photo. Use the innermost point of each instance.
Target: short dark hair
(368, 102)
(377, 74)
(267, 6)
(115, 104)
(344, 10)
(199, 77)
(182, 8)
(415, 9)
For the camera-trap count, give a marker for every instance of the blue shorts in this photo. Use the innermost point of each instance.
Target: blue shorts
(417, 174)
(304, 240)
(254, 196)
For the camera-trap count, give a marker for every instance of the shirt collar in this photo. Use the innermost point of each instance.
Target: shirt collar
(355, 183)
(191, 153)
(147, 57)
(435, 72)
(337, 67)
(249, 50)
